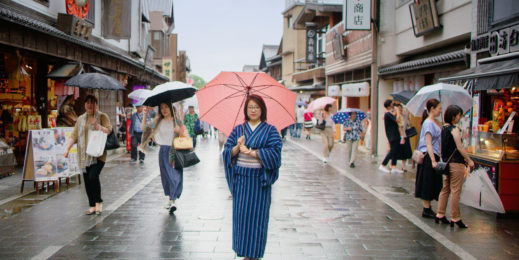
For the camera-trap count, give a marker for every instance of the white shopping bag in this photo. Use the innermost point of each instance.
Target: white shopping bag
(96, 143)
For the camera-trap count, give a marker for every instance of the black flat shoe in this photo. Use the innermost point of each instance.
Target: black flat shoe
(172, 209)
(443, 219)
(352, 165)
(459, 223)
(428, 213)
(88, 212)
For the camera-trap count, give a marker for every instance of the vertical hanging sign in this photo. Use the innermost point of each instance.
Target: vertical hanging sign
(116, 19)
(167, 68)
(357, 15)
(311, 43)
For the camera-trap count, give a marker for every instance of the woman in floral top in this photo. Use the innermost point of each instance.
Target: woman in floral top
(353, 132)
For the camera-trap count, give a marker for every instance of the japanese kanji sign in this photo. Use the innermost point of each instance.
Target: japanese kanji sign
(167, 68)
(311, 44)
(424, 17)
(357, 15)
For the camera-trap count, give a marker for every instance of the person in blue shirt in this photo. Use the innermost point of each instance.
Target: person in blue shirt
(136, 133)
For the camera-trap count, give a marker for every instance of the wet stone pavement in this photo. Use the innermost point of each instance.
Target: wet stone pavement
(316, 213)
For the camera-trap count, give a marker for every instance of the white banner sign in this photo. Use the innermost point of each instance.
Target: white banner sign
(355, 89)
(334, 91)
(357, 15)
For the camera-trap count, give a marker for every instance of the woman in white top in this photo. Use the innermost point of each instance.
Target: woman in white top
(329, 131)
(162, 129)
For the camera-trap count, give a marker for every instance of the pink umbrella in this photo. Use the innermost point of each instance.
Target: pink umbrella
(320, 103)
(221, 100)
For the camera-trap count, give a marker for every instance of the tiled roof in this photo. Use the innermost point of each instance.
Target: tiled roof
(30, 23)
(446, 58)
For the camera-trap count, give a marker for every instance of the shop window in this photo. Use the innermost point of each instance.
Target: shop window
(91, 16)
(502, 11)
(289, 21)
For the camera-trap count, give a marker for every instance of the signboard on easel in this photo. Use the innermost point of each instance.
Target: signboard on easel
(44, 160)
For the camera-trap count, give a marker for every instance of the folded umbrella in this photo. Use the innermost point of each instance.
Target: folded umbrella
(95, 81)
(169, 92)
(221, 101)
(479, 192)
(447, 94)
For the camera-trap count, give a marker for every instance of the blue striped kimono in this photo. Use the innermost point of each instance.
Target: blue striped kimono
(251, 187)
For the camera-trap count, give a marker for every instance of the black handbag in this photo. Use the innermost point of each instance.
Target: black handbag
(111, 141)
(441, 167)
(185, 158)
(321, 126)
(410, 132)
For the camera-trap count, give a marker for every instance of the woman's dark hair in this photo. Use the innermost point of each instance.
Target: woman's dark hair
(261, 104)
(170, 110)
(91, 98)
(431, 103)
(451, 113)
(327, 107)
(388, 103)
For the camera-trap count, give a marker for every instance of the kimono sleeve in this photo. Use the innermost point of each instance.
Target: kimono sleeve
(227, 157)
(270, 156)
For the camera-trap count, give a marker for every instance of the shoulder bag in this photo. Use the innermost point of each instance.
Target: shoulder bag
(321, 126)
(441, 167)
(410, 132)
(111, 141)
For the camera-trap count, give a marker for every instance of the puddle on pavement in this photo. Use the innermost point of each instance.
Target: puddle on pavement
(390, 190)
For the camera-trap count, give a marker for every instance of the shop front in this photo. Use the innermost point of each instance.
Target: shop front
(492, 129)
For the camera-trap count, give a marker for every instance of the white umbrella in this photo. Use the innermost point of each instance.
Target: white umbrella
(448, 94)
(192, 101)
(479, 192)
(139, 94)
(169, 92)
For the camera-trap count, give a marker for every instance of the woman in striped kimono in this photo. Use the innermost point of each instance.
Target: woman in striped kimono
(252, 157)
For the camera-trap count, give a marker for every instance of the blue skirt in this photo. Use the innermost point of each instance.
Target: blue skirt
(171, 178)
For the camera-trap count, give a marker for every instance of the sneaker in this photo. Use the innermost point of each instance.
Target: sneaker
(383, 168)
(395, 170)
(141, 161)
(325, 161)
(133, 160)
(352, 165)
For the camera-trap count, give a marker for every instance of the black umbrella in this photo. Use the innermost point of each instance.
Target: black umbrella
(169, 92)
(403, 96)
(94, 80)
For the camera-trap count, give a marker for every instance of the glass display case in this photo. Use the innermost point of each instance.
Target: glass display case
(495, 146)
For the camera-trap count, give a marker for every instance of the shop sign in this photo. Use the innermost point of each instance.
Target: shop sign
(338, 46)
(167, 68)
(311, 44)
(334, 91)
(355, 89)
(116, 19)
(357, 15)
(424, 17)
(499, 42)
(72, 25)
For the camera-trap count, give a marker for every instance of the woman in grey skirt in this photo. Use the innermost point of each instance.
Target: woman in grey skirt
(163, 129)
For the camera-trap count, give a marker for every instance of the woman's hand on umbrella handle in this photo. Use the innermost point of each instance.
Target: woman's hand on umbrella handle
(241, 140)
(244, 149)
(471, 164)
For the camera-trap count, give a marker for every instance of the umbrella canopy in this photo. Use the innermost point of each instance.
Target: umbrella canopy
(221, 101)
(344, 114)
(320, 103)
(301, 103)
(479, 192)
(448, 94)
(169, 92)
(403, 96)
(139, 94)
(94, 80)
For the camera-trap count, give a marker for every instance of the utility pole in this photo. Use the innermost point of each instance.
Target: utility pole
(374, 79)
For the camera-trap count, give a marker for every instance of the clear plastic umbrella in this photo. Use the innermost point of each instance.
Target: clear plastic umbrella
(479, 192)
(139, 94)
(448, 94)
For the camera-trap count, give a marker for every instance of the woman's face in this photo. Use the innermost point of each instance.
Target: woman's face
(164, 110)
(253, 111)
(456, 119)
(353, 116)
(90, 107)
(436, 111)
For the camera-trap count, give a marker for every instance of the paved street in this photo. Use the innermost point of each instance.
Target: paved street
(318, 212)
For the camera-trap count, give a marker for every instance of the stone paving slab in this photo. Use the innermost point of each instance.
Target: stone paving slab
(316, 213)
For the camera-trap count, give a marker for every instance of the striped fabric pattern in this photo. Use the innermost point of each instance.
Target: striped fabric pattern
(251, 187)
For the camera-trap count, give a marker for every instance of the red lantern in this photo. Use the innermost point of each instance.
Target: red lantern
(78, 8)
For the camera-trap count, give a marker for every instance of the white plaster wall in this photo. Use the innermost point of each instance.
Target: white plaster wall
(54, 8)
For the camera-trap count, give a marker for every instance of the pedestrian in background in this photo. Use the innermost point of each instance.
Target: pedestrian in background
(189, 121)
(91, 120)
(353, 132)
(393, 136)
(428, 184)
(308, 124)
(120, 120)
(300, 112)
(451, 147)
(136, 133)
(327, 134)
(252, 157)
(404, 152)
(163, 128)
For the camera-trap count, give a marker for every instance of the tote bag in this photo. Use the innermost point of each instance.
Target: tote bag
(96, 143)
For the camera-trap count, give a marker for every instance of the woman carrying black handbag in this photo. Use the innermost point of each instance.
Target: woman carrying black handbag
(456, 167)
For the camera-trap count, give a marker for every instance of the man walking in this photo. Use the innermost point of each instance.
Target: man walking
(189, 121)
(136, 133)
(300, 111)
(393, 136)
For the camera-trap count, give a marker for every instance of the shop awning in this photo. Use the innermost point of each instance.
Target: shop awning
(65, 71)
(442, 59)
(496, 75)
